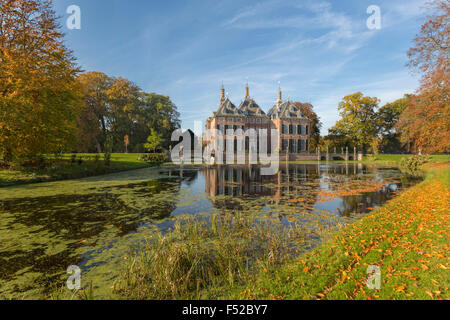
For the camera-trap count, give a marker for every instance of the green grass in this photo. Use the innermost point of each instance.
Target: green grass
(204, 260)
(397, 158)
(407, 239)
(63, 168)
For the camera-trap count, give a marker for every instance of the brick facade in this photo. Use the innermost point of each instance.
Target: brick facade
(294, 129)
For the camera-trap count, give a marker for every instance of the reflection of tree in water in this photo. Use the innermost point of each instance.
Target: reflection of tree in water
(366, 202)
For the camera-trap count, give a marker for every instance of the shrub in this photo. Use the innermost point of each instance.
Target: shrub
(414, 163)
(153, 158)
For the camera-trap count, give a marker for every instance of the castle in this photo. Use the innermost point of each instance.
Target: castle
(285, 116)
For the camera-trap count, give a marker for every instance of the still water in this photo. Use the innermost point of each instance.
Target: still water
(95, 222)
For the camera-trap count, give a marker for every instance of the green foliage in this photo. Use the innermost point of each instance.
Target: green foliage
(154, 141)
(387, 120)
(358, 119)
(414, 163)
(154, 158)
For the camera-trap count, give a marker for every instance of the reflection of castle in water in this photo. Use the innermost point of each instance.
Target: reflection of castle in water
(239, 181)
(292, 181)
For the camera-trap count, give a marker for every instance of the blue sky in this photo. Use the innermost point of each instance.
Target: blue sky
(320, 51)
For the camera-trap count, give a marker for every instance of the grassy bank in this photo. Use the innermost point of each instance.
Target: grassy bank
(397, 158)
(407, 239)
(85, 165)
(235, 258)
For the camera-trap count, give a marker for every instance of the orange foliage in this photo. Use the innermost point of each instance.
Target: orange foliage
(425, 123)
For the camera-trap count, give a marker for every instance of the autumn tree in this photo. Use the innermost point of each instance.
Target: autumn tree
(358, 116)
(39, 97)
(316, 125)
(116, 107)
(426, 121)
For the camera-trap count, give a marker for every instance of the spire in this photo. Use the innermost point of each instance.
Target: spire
(280, 99)
(222, 94)
(247, 91)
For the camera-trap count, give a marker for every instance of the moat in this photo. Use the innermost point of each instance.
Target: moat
(95, 222)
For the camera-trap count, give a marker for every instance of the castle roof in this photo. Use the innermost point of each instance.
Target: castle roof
(250, 108)
(227, 108)
(286, 110)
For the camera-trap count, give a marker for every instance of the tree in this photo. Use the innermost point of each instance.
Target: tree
(160, 112)
(387, 118)
(358, 119)
(93, 122)
(426, 121)
(117, 107)
(154, 141)
(39, 95)
(316, 124)
(126, 142)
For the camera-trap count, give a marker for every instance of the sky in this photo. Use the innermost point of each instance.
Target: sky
(319, 51)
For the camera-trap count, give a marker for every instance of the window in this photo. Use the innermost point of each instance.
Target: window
(299, 129)
(302, 130)
(284, 145)
(252, 120)
(299, 146)
(258, 120)
(293, 146)
(230, 119)
(306, 130)
(302, 146)
(220, 127)
(222, 119)
(294, 129)
(285, 129)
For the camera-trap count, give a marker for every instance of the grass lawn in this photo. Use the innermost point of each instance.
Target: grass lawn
(398, 157)
(407, 239)
(64, 169)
